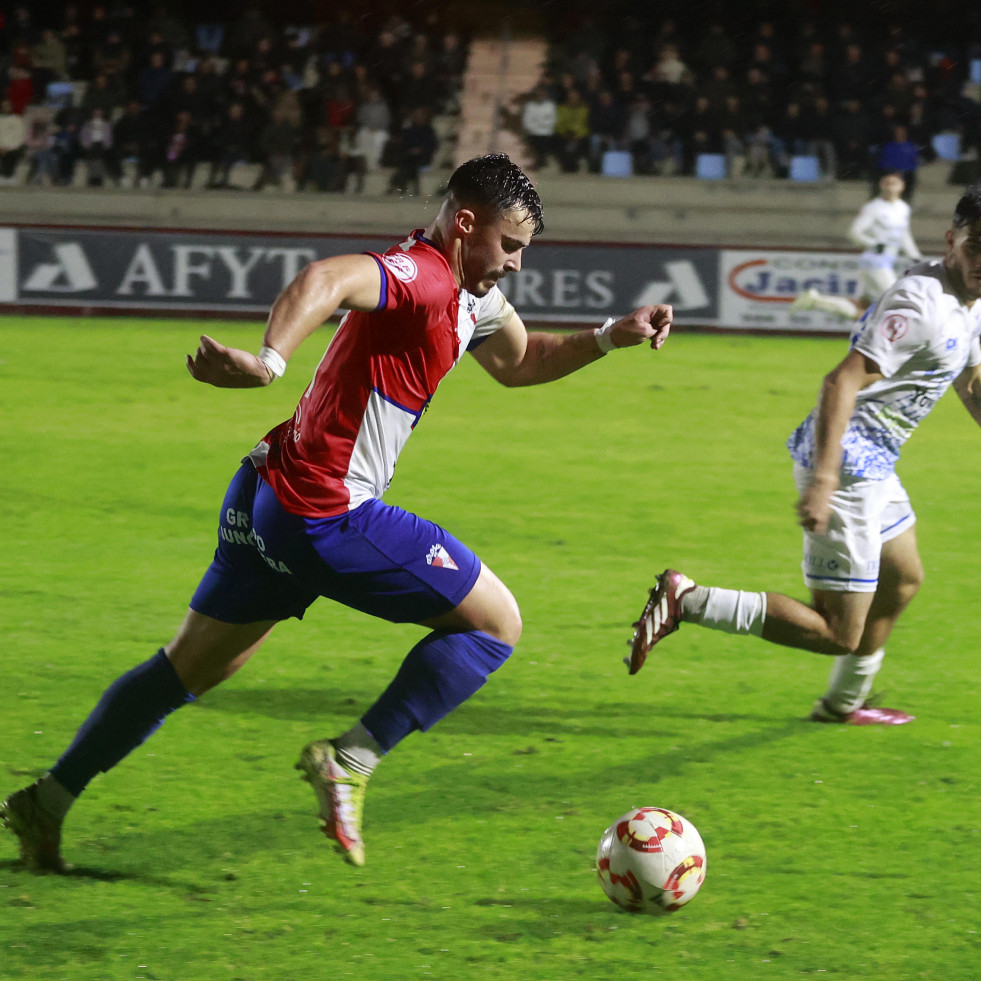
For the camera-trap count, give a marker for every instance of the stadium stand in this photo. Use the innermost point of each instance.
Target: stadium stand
(754, 88)
(303, 94)
(205, 104)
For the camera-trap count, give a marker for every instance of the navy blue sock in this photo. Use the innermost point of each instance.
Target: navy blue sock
(131, 709)
(441, 672)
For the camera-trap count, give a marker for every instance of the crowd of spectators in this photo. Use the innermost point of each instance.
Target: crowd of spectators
(862, 97)
(142, 96)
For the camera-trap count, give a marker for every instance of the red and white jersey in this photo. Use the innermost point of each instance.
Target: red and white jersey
(375, 380)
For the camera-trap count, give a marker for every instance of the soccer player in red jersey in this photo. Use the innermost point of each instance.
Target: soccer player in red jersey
(304, 517)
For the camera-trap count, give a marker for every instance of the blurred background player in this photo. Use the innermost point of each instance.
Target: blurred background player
(882, 229)
(303, 516)
(861, 561)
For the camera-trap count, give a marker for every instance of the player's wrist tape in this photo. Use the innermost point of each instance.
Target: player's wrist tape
(604, 340)
(273, 360)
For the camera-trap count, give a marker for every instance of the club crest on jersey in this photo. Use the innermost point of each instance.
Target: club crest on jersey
(402, 266)
(439, 557)
(894, 327)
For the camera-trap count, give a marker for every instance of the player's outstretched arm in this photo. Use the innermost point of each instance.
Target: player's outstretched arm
(515, 357)
(839, 392)
(861, 230)
(968, 387)
(351, 282)
(909, 248)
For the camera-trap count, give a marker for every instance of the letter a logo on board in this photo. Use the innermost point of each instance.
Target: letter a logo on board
(683, 288)
(69, 273)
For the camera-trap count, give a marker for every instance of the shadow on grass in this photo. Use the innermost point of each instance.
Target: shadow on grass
(490, 783)
(529, 915)
(79, 872)
(292, 704)
(475, 717)
(672, 743)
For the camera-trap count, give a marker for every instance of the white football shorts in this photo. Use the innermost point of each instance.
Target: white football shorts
(876, 274)
(864, 515)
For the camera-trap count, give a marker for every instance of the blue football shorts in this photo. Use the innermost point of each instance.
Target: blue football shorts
(271, 564)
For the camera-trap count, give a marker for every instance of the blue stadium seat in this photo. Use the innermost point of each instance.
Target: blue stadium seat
(710, 166)
(59, 95)
(210, 37)
(805, 169)
(617, 163)
(947, 146)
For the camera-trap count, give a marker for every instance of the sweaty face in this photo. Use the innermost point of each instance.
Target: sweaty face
(493, 249)
(963, 259)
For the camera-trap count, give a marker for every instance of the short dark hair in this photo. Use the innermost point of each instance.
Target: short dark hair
(968, 210)
(495, 183)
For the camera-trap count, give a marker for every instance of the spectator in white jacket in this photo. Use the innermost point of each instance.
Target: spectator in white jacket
(374, 125)
(13, 139)
(538, 125)
(96, 139)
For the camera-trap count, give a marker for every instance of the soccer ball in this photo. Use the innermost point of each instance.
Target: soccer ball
(651, 860)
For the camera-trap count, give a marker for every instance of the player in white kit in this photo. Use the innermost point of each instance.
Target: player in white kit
(303, 515)
(860, 556)
(882, 229)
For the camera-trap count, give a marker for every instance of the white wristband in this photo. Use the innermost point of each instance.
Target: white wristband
(273, 360)
(602, 334)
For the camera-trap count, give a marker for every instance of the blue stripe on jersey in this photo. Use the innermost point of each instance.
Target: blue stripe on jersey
(416, 416)
(840, 578)
(383, 298)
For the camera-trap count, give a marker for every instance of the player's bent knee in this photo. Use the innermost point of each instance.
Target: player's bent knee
(509, 624)
(844, 638)
(504, 622)
(492, 611)
(501, 620)
(492, 608)
(509, 631)
(900, 593)
(908, 591)
(842, 646)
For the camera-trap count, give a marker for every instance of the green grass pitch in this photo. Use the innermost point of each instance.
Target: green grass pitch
(838, 852)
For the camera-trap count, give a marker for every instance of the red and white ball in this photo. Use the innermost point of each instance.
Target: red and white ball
(651, 860)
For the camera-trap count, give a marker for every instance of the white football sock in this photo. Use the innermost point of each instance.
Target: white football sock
(730, 610)
(840, 306)
(851, 680)
(357, 750)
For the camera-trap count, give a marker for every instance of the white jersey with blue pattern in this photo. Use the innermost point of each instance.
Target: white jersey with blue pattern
(921, 336)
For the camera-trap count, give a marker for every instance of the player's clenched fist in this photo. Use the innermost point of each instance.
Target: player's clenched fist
(227, 367)
(651, 323)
